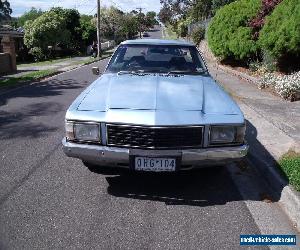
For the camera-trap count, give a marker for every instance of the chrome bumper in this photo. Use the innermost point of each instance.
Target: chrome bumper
(114, 156)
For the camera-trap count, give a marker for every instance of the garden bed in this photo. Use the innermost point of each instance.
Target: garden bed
(287, 86)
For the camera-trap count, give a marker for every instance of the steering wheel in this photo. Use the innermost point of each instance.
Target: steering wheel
(135, 62)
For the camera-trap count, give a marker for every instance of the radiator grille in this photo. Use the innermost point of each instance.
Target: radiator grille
(154, 137)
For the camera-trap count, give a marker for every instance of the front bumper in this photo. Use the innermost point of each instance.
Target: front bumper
(114, 156)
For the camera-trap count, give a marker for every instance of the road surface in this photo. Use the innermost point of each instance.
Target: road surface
(49, 201)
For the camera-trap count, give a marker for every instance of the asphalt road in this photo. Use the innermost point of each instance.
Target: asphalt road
(49, 201)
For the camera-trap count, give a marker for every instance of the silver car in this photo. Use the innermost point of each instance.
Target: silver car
(155, 108)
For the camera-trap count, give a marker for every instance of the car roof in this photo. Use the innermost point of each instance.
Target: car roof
(158, 42)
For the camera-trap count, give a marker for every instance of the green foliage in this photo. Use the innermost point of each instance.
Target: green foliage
(118, 25)
(5, 10)
(30, 15)
(47, 30)
(130, 26)
(198, 35)
(217, 4)
(37, 53)
(280, 35)
(29, 77)
(88, 30)
(72, 23)
(290, 165)
(151, 19)
(165, 14)
(182, 28)
(229, 35)
(201, 9)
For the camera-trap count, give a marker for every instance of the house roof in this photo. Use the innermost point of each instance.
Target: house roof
(8, 30)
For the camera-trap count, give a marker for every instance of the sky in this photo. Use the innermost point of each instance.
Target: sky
(83, 6)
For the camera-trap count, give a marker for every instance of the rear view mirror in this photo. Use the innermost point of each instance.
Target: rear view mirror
(95, 70)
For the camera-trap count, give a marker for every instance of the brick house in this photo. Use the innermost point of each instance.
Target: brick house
(11, 41)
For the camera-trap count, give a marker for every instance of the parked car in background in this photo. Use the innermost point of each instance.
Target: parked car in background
(155, 108)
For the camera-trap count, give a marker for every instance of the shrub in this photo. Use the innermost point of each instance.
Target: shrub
(37, 53)
(198, 35)
(267, 64)
(182, 29)
(257, 23)
(280, 35)
(286, 86)
(217, 4)
(229, 35)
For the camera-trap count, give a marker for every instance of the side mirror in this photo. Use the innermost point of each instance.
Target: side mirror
(96, 71)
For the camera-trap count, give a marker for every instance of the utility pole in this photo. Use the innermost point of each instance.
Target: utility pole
(98, 30)
(140, 21)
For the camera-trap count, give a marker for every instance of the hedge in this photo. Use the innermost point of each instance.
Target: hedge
(281, 33)
(229, 34)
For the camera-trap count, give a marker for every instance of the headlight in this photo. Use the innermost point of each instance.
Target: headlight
(227, 134)
(83, 131)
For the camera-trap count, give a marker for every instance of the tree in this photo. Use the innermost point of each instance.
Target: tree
(130, 26)
(151, 19)
(5, 10)
(72, 22)
(174, 10)
(111, 18)
(165, 14)
(118, 25)
(30, 15)
(88, 30)
(47, 30)
(201, 9)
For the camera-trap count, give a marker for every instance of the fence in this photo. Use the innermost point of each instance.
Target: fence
(108, 45)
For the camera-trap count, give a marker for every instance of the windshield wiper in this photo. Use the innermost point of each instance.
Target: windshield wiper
(133, 72)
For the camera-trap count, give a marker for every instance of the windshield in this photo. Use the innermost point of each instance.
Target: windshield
(132, 58)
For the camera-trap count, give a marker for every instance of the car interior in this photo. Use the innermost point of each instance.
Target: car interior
(162, 59)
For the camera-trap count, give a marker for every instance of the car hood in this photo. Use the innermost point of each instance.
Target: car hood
(157, 92)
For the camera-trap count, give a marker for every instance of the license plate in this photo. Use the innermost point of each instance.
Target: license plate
(154, 164)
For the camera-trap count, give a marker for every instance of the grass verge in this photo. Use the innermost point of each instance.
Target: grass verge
(36, 75)
(290, 166)
(32, 76)
(45, 63)
(105, 55)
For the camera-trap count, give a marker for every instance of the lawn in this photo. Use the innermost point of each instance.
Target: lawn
(36, 75)
(44, 63)
(290, 165)
(32, 76)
